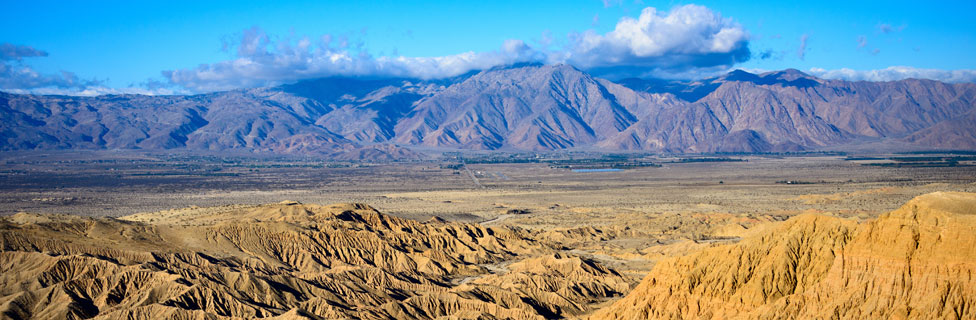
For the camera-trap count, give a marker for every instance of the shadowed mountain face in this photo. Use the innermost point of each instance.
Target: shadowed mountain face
(524, 107)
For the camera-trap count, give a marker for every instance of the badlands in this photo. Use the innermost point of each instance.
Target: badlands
(763, 238)
(296, 261)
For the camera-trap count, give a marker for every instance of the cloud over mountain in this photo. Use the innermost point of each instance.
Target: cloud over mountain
(261, 61)
(659, 43)
(9, 51)
(685, 42)
(656, 43)
(16, 75)
(896, 73)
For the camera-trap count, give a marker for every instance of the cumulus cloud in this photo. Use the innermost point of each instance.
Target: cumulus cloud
(9, 51)
(16, 75)
(862, 41)
(97, 90)
(686, 38)
(261, 61)
(24, 77)
(896, 73)
(687, 41)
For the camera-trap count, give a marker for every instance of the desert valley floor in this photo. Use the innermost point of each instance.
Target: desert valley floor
(116, 184)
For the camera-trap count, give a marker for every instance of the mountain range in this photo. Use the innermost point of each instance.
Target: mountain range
(531, 107)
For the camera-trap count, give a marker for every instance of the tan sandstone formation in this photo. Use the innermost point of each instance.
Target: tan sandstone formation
(917, 262)
(295, 261)
(289, 261)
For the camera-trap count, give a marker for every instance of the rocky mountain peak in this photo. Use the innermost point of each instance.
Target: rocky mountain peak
(740, 75)
(788, 75)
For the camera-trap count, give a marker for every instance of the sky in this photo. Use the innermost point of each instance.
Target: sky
(149, 47)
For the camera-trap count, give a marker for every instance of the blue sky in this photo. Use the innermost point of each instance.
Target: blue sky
(143, 46)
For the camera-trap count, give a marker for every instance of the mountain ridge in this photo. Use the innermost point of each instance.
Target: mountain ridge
(529, 107)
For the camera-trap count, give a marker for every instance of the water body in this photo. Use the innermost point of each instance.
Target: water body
(597, 170)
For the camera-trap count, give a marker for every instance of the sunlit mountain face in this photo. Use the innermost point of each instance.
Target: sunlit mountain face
(531, 107)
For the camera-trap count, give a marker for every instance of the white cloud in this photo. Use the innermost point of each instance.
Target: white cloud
(16, 74)
(9, 51)
(896, 73)
(258, 65)
(687, 37)
(90, 91)
(687, 40)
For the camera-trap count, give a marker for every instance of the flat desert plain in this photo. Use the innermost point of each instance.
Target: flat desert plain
(107, 184)
(652, 211)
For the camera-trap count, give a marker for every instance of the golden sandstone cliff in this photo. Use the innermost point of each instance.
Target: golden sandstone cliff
(916, 262)
(297, 261)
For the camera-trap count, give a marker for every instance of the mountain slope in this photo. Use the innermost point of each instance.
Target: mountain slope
(363, 110)
(915, 262)
(534, 107)
(521, 107)
(789, 110)
(948, 134)
(263, 120)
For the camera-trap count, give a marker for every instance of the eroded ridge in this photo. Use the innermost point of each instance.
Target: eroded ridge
(288, 260)
(916, 262)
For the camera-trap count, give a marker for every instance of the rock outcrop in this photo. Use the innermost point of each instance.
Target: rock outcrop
(289, 261)
(296, 261)
(916, 262)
